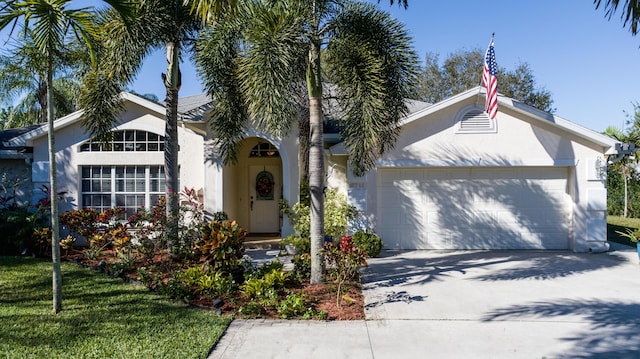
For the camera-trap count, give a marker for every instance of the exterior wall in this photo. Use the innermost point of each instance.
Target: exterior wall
(519, 141)
(232, 196)
(70, 159)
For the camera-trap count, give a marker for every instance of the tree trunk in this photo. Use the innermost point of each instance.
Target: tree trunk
(316, 163)
(53, 188)
(172, 83)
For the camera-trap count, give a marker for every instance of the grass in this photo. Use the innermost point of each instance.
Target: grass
(620, 224)
(102, 317)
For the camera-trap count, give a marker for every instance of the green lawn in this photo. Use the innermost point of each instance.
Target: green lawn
(620, 224)
(102, 317)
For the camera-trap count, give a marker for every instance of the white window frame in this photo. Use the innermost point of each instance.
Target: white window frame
(115, 194)
(125, 145)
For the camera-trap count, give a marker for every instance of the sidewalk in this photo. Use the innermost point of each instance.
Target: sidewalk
(469, 304)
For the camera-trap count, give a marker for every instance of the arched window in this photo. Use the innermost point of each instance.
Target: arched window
(127, 141)
(264, 149)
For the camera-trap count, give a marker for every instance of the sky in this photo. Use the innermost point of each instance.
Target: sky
(587, 62)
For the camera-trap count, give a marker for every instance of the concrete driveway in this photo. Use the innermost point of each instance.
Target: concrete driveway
(470, 304)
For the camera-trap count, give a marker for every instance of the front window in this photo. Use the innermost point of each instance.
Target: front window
(128, 187)
(127, 141)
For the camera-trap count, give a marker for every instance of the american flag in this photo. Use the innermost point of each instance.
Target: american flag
(490, 82)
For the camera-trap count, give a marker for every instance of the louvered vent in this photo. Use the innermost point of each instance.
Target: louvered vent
(475, 120)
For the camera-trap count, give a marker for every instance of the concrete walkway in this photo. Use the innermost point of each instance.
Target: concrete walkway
(470, 304)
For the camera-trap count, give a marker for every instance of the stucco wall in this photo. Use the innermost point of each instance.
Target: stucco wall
(69, 158)
(432, 141)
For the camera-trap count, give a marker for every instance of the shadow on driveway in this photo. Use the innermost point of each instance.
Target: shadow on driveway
(611, 327)
(589, 302)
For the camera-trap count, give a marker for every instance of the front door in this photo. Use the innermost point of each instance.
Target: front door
(264, 193)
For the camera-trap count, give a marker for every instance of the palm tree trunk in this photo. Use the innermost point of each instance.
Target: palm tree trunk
(316, 163)
(55, 229)
(172, 83)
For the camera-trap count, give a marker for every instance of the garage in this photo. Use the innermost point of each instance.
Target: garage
(474, 208)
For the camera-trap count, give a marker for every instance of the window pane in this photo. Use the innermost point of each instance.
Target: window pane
(152, 137)
(128, 146)
(118, 146)
(118, 136)
(153, 147)
(128, 135)
(86, 187)
(129, 185)
(86, 172)
(141, 147)
(141, 136)
(119, 185)
(84, 147)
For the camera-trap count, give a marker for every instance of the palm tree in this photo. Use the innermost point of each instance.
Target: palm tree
(253, 64)
(173, 25)
(23, 75)
(52, 24)
(627, 162)
(630, 12)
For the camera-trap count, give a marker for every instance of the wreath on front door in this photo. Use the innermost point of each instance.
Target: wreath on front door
(264, 185)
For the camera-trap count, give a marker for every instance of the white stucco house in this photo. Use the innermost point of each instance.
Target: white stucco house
(455, 179)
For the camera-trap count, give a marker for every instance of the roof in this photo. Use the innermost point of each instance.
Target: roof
(192, 108)
(10, 149)
(418, 110)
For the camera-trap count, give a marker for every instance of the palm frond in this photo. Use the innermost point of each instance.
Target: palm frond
(272, 65)
(216, 60)
(372, 64)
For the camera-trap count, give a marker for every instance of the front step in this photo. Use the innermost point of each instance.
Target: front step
(262, 243)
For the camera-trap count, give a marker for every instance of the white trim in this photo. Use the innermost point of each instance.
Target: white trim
(477, 163)
(606, 142)
(29, 137)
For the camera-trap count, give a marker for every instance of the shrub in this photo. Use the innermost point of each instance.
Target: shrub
(222, 243)
(262, 270)
(302, 266)
(17, 225)
(344, 260)
(292, 306)
(368, 242)
(301, 244)
(337, 214)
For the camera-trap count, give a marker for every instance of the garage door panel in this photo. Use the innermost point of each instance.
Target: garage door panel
(502, 208)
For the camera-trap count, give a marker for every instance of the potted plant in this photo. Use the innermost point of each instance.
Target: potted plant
(633, 236)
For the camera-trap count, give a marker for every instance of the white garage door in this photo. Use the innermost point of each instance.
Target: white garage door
(474, 208)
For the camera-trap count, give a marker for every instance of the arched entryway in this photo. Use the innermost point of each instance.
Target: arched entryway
(255, 186)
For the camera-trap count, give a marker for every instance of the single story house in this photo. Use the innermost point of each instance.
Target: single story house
(455, 179)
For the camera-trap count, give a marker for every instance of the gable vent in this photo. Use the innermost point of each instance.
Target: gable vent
(475, 120)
